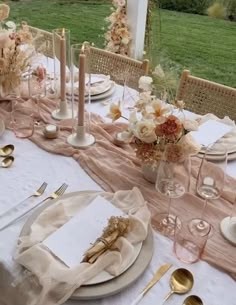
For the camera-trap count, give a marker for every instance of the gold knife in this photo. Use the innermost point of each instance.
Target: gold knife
(157, 276)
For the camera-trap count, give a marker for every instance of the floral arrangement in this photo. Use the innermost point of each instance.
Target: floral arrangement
(156, 131)
(117, 38)
(14, 60)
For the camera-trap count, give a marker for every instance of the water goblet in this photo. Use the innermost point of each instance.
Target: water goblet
(23, 120)
(189, 246)
(17, 95)
(210, 183)
(173, 180)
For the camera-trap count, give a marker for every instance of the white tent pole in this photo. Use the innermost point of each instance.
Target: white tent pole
(136, 14)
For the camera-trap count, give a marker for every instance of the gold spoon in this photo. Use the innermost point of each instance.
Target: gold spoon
(7, 162)
(181, 281)
(192, 300)
(6, 150)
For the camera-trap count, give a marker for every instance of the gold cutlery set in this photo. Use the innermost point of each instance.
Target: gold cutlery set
(181, 281)
(5, 153)
(39, 192)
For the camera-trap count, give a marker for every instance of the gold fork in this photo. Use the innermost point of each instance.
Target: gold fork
(39, 191)
(54, 195)
(58, 192)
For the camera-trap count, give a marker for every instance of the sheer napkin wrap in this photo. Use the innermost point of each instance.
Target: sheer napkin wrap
(48, 280)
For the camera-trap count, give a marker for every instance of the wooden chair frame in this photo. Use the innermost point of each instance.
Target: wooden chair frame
(42, 40)
(202, 96)
(122, 69)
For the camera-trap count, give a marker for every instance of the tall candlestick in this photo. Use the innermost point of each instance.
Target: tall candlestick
(82, 61)
(80, 138)
(61, 45)
(63, 65)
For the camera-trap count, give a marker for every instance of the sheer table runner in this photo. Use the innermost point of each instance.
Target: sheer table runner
(117, 168)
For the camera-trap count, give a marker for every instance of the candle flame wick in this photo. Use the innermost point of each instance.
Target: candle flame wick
(82, 48)
(63, 33)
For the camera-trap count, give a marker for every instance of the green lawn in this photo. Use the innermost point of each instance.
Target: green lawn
(205, 46)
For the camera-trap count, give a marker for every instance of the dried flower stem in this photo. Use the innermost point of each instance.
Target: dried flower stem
(117, 226)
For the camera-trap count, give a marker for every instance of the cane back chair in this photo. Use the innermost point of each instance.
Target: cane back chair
(122, 69)
(42, 41)
(202, 96)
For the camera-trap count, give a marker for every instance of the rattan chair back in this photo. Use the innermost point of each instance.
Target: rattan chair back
(122, 69)
(202, 96)
(42, 41)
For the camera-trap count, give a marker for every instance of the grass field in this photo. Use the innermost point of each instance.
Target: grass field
(205, 46)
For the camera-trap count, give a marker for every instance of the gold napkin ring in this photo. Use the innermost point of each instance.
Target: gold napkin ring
(104, 241)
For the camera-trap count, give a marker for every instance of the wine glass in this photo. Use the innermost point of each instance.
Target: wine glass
(129, 95)
(37, 86)
(173, 181)
(18, 96)
(210, 183)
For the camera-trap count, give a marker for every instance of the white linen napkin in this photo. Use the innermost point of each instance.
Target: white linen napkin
(229, 139)
(52, 282)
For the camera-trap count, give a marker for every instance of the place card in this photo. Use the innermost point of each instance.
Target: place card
(210, 131)
(71, 241)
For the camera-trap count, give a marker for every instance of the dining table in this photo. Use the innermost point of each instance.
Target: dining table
(33, 165)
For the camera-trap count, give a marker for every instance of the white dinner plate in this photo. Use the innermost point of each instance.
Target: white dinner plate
(228, 141)
(98, 97)
(217, 157)
(113, 284)
(97, 89)
(104, 95)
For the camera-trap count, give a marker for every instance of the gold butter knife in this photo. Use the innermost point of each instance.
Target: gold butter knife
(157, 276)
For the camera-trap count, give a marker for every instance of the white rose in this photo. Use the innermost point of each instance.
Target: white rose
(145, 131)
(190, 125)
(4, 11)
(190, 146)
(145, 83)
(11, 25)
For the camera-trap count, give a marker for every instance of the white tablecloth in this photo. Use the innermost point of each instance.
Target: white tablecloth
(32, 166)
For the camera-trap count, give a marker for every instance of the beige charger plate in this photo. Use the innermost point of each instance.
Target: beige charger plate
(116, 284)
(215, 157)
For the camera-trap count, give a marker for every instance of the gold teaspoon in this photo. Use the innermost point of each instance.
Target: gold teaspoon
(192, 300)
(181, 281)
(7, 162)
(6, 150)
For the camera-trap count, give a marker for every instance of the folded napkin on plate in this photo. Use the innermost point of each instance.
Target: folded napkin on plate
(52, 282)
(99, 83)
(228, 140)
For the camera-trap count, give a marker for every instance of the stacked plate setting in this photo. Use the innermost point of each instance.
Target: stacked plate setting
(100, 87)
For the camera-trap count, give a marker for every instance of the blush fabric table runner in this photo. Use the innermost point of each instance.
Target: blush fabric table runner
(34, 165)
